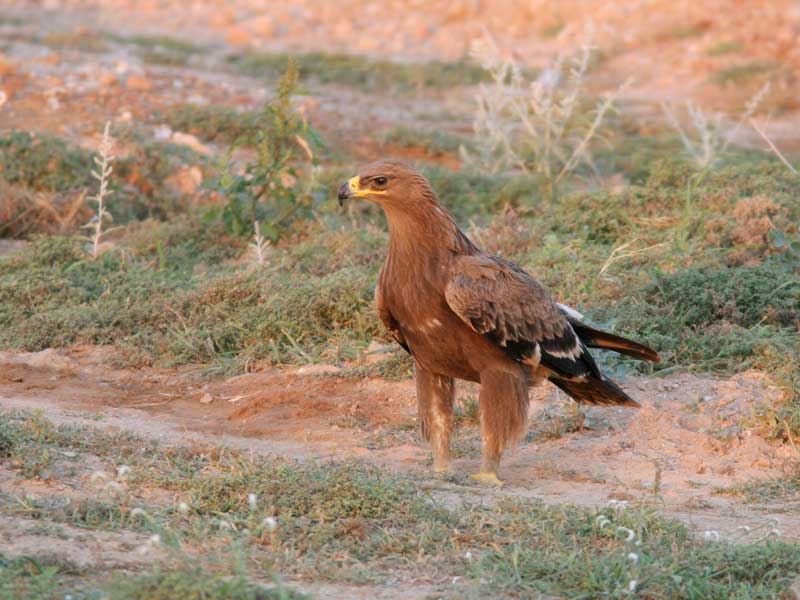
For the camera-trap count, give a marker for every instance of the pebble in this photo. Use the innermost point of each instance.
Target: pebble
(191, 141)
(139, 82)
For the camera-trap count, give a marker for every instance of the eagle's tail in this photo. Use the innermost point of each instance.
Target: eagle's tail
(594, 338)
(594, 390)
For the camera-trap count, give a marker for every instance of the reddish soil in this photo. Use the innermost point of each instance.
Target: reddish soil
(693, 438)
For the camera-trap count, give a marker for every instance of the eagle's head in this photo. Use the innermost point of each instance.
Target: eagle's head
(393, 185)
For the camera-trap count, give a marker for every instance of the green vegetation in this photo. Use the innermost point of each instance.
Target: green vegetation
(43, 162)
(713, 318)
(79, 39)
(784, 489)
(711, 281)
(349, 522)
(162, 49)
(362, 72)
(141, 180)
(194, 584)
(741, 73)
(275, 189)
(55, 296)
(434, 143)
(215, 123)
(722, 48)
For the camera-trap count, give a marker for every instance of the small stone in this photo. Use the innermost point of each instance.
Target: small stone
(262, 26)
(186, 181)
(793, 593)
(191, 141)
(6, 68)
(207, 398)
(162, 133)
(238, 36)
(69, 454)
(139, 82)
(318, 370)
(107, 79)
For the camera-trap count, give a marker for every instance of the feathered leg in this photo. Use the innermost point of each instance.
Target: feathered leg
(435, 395)
(503, 416)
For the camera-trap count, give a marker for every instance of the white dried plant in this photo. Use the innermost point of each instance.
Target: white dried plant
(544, 126)
(710, 134)
(103, 175)
(259, 246)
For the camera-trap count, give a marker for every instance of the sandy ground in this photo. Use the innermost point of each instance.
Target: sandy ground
(693, 437)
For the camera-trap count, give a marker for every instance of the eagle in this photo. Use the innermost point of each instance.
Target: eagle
(465, 314)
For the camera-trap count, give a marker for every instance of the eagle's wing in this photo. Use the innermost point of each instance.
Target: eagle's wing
(385, 314)
(509, 307)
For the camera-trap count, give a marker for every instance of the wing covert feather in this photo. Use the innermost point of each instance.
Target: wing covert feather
(509, 307)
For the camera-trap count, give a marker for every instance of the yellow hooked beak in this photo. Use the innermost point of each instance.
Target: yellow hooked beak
(352, 189)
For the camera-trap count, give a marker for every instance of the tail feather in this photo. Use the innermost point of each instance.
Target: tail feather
(593, 390)
(594, 338)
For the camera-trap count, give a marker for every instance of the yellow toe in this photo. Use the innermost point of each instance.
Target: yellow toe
(486, 478)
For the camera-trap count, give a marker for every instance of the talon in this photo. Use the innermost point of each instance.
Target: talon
(441, 469)
(486, 478)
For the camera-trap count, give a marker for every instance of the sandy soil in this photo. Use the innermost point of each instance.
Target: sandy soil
(692, 438)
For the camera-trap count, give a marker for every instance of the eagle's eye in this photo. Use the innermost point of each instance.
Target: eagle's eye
(380, 180)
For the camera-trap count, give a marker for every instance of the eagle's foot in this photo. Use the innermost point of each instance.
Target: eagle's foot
(486, 478)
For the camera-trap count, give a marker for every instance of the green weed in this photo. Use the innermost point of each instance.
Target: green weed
(275, 189)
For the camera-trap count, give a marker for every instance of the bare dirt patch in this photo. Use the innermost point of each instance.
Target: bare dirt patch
(693, 438)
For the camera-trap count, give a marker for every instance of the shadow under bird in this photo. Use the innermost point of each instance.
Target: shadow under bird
(466, 314)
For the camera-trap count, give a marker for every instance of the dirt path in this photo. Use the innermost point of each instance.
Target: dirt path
(690, 441)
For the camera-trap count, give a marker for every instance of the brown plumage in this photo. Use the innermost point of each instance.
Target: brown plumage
(465, 314)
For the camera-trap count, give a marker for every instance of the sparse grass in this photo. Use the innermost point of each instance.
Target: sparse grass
(218, 124)
(434, 143)
(544, 127)
(689, 31)
(53, 297)
(78, 39)
(27, 444)
(397, 365)
(354, 523)
(43, 163)
(785, 488)
(194, 584)
(723, 48)
(162, 50)
(57, 171)
(224, 316)
(28, 578)
(14, 21)
(362, 72)
(552, 31)
(712, 319)
(741, 73)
